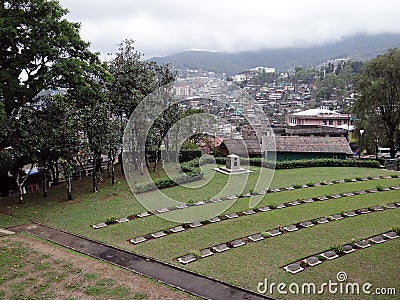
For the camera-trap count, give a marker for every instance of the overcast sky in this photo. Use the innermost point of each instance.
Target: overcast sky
(162, 27)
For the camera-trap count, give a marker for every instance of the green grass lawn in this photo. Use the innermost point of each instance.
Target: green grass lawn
(248, 265)
(31, 268)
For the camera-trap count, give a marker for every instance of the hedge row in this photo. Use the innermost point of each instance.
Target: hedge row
(162, 183)
(305, 163)
(189, 154)
(192, 172)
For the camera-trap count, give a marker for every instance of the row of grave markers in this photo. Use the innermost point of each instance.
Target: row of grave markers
(214, 200)
(317, 259)
(185, 259)
(195, 224)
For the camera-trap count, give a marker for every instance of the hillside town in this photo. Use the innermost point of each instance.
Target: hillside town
(292, 105)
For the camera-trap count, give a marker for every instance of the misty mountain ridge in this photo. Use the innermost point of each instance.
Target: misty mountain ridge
(357, 48)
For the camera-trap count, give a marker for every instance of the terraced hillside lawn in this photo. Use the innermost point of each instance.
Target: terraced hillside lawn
(252, 263)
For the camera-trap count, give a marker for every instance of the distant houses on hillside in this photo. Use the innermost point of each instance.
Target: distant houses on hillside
(310, 134)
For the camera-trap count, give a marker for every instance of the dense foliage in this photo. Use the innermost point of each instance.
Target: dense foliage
(61, 108)
(378, 104)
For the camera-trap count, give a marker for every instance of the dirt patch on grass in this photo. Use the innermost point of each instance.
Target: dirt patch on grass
(35, 269)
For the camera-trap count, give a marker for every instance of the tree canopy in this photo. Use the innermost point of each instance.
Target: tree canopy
(59, 104)
(40, 51)
(378, 104)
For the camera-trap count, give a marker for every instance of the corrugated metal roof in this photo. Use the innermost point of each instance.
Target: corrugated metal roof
(306, 144)
(242, 147)
(315, 112)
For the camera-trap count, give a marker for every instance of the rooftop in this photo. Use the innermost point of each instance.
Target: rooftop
(305, 144)
(315, 112)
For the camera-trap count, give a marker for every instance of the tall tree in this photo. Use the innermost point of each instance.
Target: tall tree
(133, 80)
(60, 128)
(41, 50)
(36, 44)
(21, 151)
(378, 104)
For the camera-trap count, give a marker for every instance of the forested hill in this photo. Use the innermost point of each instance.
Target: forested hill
(360, 47)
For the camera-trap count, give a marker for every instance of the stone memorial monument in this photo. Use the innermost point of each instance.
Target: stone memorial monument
(232, 166)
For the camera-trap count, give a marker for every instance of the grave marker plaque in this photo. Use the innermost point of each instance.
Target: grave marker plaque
(294, 268)
(330, 255)
(177, 229)
(231, 216)
(122, 220)
(307, 224)
(391, 235)
(312, 261)
(348, 249)
(221, 247)
(274, 232)
(377, 239)
(363, 244)
(188, 258)
(215, 219)
(99, 225)
(205, 252)
(350, 213)
(256, 237)
(264, 208)
(322, 220)
(143, 214)
(195, 224)
(138, 240)
(391, 205)
(158, 234)
(337, 217)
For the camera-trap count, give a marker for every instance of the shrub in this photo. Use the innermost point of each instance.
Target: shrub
(338, 249)
(192, 166)
(396, 229)
(303, 264)
(354, 242)
(195, 253)
(310, 184)
(358, 178)
(162, 183)
(297, 186)
(394, 176)
(192, 172)
(379, 188)
(189, 154)
(111, 219)
(347, 180)
(206, 159)
(321, 258)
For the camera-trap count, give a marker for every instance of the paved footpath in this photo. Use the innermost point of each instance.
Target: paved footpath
(179, 278)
